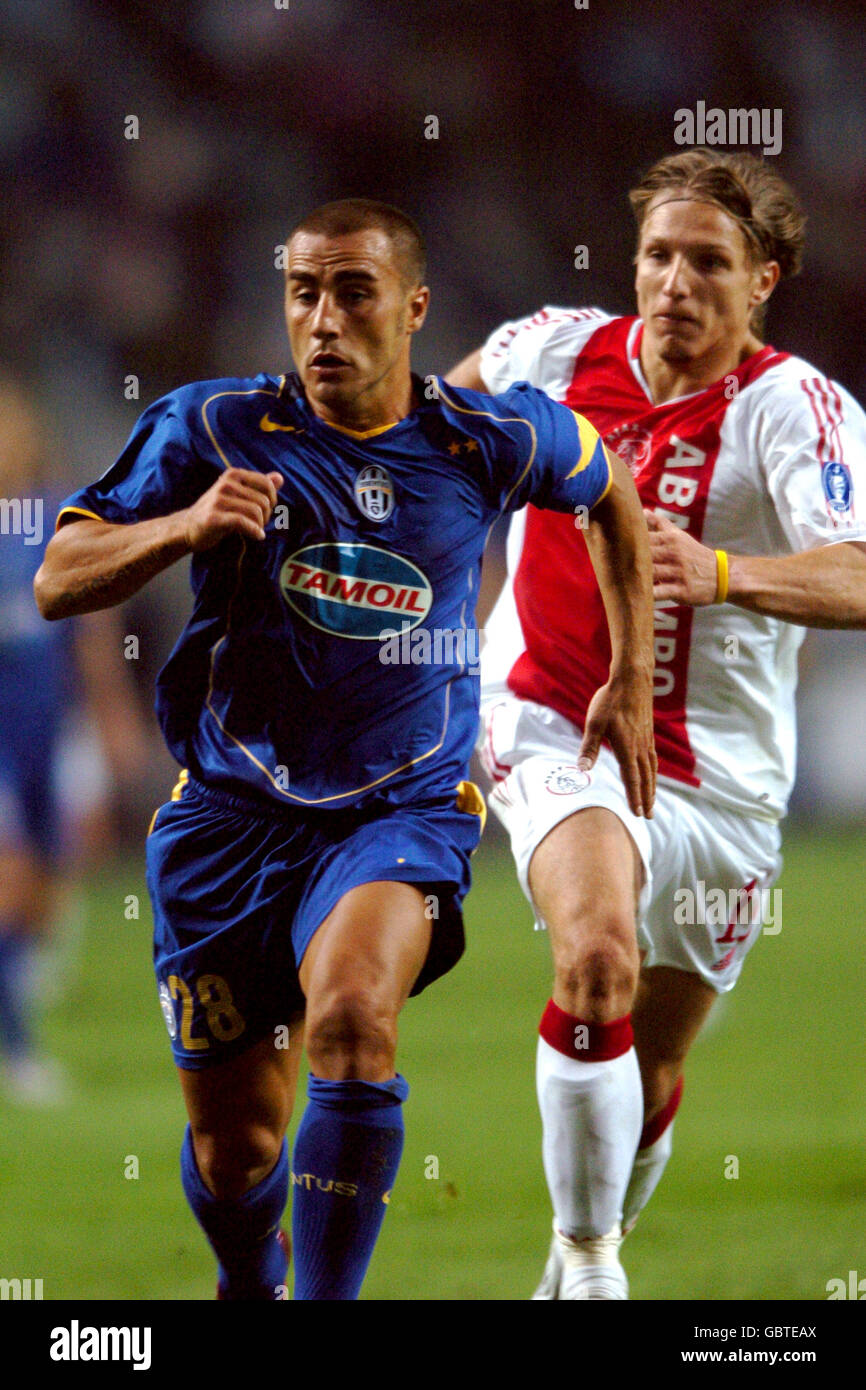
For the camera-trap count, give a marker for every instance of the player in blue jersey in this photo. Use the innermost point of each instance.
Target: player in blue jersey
(46, 675)
(308, 874)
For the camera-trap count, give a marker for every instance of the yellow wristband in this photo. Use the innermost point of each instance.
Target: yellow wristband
(721, 576)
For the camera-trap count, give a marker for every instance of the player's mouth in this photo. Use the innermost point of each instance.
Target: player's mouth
(327, 364)
(672, 319)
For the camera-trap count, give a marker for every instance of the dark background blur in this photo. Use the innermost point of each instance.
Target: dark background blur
(154, 256)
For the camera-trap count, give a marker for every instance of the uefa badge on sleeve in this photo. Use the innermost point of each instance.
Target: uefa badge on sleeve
(838, 490)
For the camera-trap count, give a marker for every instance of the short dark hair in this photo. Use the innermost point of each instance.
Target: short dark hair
(765, 207)
(350, 215)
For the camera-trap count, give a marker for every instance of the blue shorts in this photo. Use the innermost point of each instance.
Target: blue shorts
(238, 891)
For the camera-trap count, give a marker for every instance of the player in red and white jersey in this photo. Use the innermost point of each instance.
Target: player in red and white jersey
(751, 467)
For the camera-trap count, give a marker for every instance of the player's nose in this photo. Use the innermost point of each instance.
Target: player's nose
(675, 278)
(324, 320)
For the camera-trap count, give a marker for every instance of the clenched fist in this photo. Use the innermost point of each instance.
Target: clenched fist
(239, 503)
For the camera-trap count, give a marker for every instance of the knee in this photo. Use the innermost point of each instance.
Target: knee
(598, 965)
(351, 1035)
(231, 1161)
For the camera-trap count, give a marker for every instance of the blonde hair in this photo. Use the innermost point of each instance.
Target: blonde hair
(762, 204)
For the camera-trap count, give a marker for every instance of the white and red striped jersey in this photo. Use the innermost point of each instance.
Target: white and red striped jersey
(767, 461)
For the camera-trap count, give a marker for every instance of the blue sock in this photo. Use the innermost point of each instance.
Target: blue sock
(16, 947)
(243, 1231)
(347, 1152)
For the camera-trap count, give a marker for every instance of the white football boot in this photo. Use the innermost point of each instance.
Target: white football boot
(578, 1269)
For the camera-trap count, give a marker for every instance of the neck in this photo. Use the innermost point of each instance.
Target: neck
(669, 378)
(373, 409)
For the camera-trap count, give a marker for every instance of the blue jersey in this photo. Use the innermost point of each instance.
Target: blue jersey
(37, 686)
(35, 656)
(287, 683)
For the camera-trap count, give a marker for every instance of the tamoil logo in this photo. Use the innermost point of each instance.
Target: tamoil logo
(347, 589)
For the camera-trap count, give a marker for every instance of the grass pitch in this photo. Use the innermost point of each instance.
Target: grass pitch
(775, 1091)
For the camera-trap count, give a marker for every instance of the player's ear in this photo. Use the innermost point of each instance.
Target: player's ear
(766, 279)
(417, 305)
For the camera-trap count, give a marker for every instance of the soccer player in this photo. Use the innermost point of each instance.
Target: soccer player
(45, 674)
(748, 463)
(312, 861)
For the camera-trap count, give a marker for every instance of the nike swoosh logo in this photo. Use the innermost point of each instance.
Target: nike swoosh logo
(266, 423)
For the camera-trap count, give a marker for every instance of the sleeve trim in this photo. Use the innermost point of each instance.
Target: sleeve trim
(77, 511)
(609, 484)
(589, 438)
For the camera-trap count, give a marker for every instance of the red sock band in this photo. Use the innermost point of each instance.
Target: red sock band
(585, 1042)
(655, 1128)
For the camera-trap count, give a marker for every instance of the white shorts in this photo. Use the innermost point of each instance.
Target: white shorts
(708, 872)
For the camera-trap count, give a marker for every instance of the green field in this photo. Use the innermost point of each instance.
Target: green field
(778, 1081)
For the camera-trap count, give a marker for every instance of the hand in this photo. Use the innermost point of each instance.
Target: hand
(683, 569)
(239, 503)
(622, 712)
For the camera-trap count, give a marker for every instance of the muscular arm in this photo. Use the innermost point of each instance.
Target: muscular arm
(468, 373)
(621, 711)
(817, 588)
(92, 564)
(825, 587)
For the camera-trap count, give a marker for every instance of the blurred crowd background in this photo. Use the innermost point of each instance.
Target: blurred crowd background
(153, 257)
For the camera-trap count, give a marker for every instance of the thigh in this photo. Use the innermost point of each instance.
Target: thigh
(255, 1089)
(374, 943)
(552, 809)
(369, 873)
(585, 878)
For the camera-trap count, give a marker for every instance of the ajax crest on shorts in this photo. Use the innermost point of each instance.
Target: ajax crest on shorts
(567, 780)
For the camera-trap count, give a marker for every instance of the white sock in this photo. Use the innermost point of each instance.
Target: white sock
(649, 1164)
(592, 1114)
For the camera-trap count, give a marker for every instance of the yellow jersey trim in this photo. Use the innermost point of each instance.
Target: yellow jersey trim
(176, 794)
(359, 434)
(471, 801)
(589, 437)
(499, 420)
(256, 391)
(177, 789)
(79, 511)
(609, 483)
